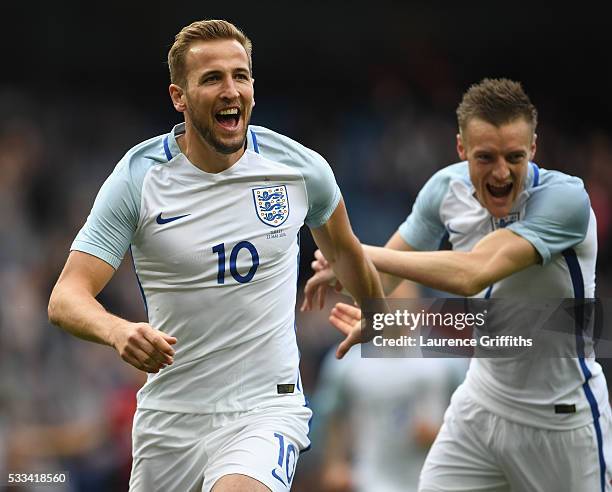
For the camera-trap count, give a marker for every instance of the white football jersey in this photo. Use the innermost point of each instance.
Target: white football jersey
(216, 256)
(553, 213)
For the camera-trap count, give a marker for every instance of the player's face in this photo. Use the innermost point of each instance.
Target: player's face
(219, 93)
(498, 160)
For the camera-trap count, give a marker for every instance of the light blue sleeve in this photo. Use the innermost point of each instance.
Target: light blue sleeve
(423, 229)
(556, 217)
(323, 192)
(321, 187)
(108, 231)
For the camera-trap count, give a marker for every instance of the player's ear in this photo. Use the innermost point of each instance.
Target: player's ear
(461, 148)
(178, 97)
(253, 82)
(532, 151)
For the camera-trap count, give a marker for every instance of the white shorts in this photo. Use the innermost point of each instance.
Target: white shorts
(190, 452)
(480, 451)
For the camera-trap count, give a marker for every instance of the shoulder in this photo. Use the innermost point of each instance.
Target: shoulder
(280, 148)
(557, 192)
(423, 228)
(142, 157)
(458, 171)
(548, 179)
(322, 192)
(557, 213)
(442, 180)
(447, 178)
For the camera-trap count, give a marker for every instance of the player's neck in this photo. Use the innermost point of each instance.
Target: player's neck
(203, 156)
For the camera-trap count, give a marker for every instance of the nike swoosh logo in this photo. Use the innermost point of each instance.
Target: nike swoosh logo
(160, 220)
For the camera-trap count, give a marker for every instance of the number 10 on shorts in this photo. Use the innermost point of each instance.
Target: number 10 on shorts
(287, 459)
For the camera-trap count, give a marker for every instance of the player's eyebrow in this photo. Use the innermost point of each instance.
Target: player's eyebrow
(242, 70)
(215, 71)
(207, 73)
(516, 153)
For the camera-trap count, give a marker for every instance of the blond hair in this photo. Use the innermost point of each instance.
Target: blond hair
(204, 30)
(496, 101)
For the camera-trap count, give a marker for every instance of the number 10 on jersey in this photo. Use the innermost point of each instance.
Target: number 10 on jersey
(243, 279)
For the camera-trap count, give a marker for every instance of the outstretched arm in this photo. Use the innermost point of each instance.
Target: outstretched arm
(73, 307)
(496, 256)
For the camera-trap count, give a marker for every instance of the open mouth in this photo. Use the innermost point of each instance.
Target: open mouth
(228, 118)
(499, 191)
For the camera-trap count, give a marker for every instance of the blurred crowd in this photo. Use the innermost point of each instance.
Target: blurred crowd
(65, 404)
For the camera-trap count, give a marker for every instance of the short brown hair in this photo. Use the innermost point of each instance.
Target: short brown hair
(205, 30)
(496, 101)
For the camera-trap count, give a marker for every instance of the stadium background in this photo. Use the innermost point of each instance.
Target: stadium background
(371, 86)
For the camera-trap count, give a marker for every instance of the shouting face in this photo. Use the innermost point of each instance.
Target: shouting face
(498, 158)
(218, 95)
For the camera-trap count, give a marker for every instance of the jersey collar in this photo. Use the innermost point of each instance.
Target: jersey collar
(172, 147)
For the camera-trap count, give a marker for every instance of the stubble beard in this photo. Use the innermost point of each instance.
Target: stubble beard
(207, 134)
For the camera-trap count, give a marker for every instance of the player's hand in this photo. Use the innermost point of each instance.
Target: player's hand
(347, 319)
(317, 285)
(144, 347)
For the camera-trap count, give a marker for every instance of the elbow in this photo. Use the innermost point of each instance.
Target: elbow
(474, 275)
(53, 310)
(468, 290)
(471, 283)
